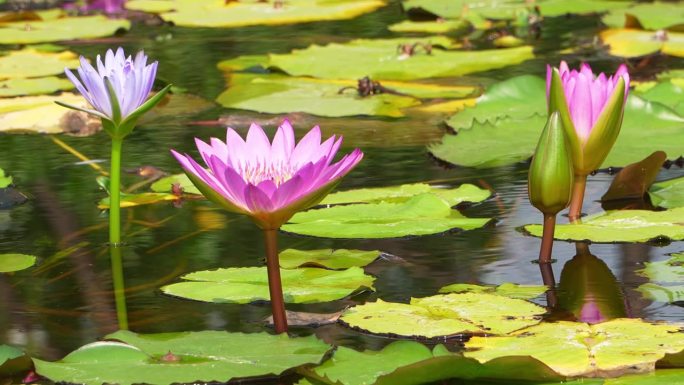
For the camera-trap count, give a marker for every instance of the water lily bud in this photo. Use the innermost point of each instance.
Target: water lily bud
(591, 108)
(550, 178)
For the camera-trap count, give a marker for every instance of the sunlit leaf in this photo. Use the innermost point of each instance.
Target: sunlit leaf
(659, 377)
(15, 262)
(31, 63)
(653, 16)
(36, 86)
(668, 194)
(420, 215)
(506, 289)
(139, 199)
(445, 315)
(439, 26)
(249, 284)
(5, 180)
(635, 42)
(622, 226)
(12, 360)
(59, 29)
(608, 349)
(327, 258)
(668, 93)
(165, 184)
(402, 193)
(667, 279)
(190, 357)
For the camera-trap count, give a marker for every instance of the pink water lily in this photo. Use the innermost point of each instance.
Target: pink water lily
(269, 181)
(586, 94)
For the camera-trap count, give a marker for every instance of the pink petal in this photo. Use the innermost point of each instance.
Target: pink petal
(237, 150)
(257, 201)
(205, 150)
(308, 145)
(283, 143)
(581, 107)
(258, 145)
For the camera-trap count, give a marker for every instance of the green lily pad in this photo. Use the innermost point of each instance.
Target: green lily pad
(218, 14)
(37, 86)
(8, 353)
(380, 60)
(622, 226)
(668, 194)
(667, 279)
(15, 262)
(165, 184)
(653, 16)
(397, 194)
(659, 377)
(249, 284)
(519, 97)
(506, 289)
(276, 94)
(139, 199)
(608, 349)
(551, 8)
(667, 93)
(5, 180)
(12, 361)
(411, 363)
(439, 26)
(190, 357)
(508, 140)
(660, 293)
(243, 62)
(327, 258)
(420, 215)
(636, 42)
(59, 29)
(445, 315)
(31, 63)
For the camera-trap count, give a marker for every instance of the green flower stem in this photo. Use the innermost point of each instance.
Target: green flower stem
(119, 287)
(275, 287)
(115, 193)
(578, 188)
(547, 239)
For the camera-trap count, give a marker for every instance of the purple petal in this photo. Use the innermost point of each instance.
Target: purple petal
(581, 107)
(309, 144)
(257, 201)
(283, 143)
(258, 145)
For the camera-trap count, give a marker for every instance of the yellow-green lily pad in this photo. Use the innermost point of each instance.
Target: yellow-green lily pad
(31, 63)
(454, 196)
(5, 180)
(636, 42)
(506, 289)
(36, 86)
(445, 315)
(572, 349)
(438, 26)
(667, 279)
(327, 258)
(668, 194)
(15, 262)
(165, 184)
(60, 29)
(220, 14)
(622, 226)
(652, 16)
(250, 284)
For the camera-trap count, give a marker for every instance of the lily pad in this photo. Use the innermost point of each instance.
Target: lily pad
(635, 42)
(31, 63)
(420, 215)
(165, 184)
(508, 140)
(327, 258)
(139, 199)
(8, 353)
(190, 357)
(402, 193)
(572, 349)
(15, 262)
(37, 86)
(281, 94)
(506, 289)
(552, 8)
(653, 16)
(12, 361)
(5, 180)
(219, 14)
(668, 194)
(59, 29)
(249, 284)
(445, 315)
(668, 93)
(622, 226)
(667, 279)
(660, 293)
(660, 376)
(380, 60)
(438, 26)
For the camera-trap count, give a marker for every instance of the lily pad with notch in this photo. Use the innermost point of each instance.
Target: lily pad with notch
(419, 215)
(250, 284)
(188, 357)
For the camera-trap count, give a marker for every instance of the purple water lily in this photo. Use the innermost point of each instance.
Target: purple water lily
(586, 94)
(270, 182)
(131, 81)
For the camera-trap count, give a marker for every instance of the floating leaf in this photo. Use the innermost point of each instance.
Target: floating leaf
(139, 199)
(5, 180)
(669, 275)
(243, 62)
(445, 315)
(190, 357)
(622, 226)
(380, 60)
(420, 215)
(659, 377)
(660, 293)
(607, 349)
(327, 258)
(633, 181)
(506, 289)
(635, 42)
(31, 63)
(37, 86)
(552, 8)
(668, 194)
(454, 196)
(647, 127)
(8, 353)
(58, 29)
(667, 93)
(439, 26)
(299, 318)
(219, 14)
(12, 360)
(249, 284)
(165, 184)
(653, 16)
(15, 262)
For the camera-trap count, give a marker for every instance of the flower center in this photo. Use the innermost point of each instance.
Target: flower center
(279, 173)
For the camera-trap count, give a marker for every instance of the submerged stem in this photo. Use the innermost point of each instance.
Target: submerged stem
(275, 287)
(115, 193)
(119, 287)
(547, 238)
(577, 197)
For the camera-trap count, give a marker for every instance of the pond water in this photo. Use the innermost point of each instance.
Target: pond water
(67, 301)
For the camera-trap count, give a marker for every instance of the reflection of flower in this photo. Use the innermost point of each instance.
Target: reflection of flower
(107, 6)
(131, 80)
(590, 313)
(270, 182)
